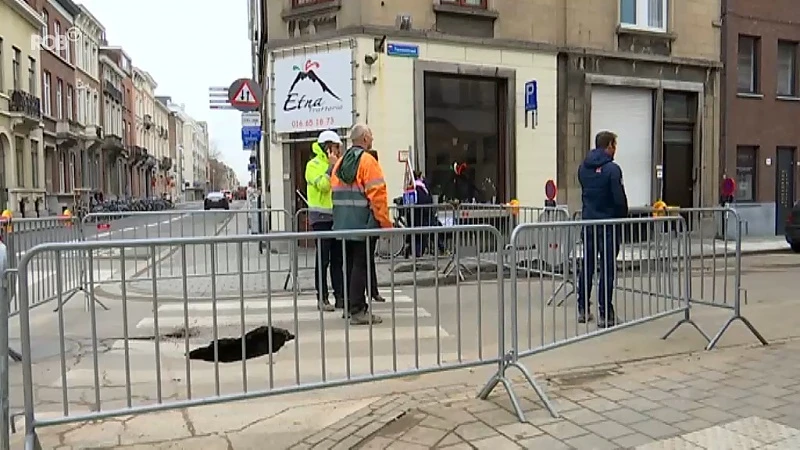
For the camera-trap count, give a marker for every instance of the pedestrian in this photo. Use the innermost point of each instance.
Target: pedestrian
(326, 150)
(360, 202)
(373, 245)
(603, 197)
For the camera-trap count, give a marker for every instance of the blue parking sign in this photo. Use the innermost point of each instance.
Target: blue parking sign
(531, 96)
(251, 136)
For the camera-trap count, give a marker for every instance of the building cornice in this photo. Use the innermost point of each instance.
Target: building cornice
(110, 63)
(27, 12)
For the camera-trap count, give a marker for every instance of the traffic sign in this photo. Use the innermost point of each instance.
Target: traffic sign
(728, 186)
(251, 119)
(252, 167)
(550, 190)
(251, 136)
(244, 94)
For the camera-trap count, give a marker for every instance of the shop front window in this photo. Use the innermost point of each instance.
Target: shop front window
(462, 138)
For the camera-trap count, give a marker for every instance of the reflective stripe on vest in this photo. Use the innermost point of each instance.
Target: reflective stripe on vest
(349, 195)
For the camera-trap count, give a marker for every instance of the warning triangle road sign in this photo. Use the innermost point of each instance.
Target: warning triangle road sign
(244, 97)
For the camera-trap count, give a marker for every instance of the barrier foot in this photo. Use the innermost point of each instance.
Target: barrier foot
(538, 389)
(689, 322)
(500, 377)
(16, 357)
(728, 323)
(89, 297)
(32, 441)
(572, 290)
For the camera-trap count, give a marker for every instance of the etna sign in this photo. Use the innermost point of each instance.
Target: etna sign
(314, 91)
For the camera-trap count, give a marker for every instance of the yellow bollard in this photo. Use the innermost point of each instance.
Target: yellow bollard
(659, 208)
(513, 206)
(5, 217)
(67, 217)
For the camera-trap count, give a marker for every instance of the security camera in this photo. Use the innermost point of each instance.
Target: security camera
(370, 58)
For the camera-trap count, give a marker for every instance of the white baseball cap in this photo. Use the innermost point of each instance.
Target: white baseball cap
(329, 136)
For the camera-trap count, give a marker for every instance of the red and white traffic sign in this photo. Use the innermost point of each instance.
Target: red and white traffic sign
(245, 95)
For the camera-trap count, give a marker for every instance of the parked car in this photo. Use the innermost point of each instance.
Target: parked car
(792, 231)
(216, 200)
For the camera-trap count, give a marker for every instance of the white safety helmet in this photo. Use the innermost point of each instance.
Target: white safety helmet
(329, 136)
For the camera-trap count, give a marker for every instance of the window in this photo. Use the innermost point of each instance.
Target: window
(48, 99)
(32, 76)
(46, 26)
(746, 163)
(34, 163)
(70, 105)
(73, 171)
(57, 35)
(20, 145)
(67, 48)
(467, 3)
(62, 173)
(787, 69)
(15, 68)
(643, 14)
(748, 62)
(59, 99)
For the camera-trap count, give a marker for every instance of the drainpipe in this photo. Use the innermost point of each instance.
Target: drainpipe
(723, 98)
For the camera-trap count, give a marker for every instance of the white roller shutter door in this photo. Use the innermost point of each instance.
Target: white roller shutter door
(628, 113)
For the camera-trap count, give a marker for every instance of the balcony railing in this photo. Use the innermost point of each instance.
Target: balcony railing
(26, 103)
(303, 3)
(112, 91)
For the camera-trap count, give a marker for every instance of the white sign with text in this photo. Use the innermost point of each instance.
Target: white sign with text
(313, 91)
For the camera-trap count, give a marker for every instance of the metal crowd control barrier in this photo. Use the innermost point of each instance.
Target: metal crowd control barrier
(175, 224)
(536, 326)
(457, 327)
(715, 256)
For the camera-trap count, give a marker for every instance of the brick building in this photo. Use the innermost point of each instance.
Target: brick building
(761, 98)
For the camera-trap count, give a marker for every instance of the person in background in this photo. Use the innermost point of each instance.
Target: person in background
(603, 197)
(360, 202)
(422, 214)
(373, 243)
(326, 151)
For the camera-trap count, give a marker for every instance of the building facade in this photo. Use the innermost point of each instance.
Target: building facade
(21, 134)
(446, 81)
(163, 179)
(192, 153)
(88, 92)
(123, 61)
(175, 144)
(62, 138)
(761, 98)
(114, 156)
(146, 160)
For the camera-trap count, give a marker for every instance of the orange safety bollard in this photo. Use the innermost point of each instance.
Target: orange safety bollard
(67, 218)
(513, 206)
(659, 209)
(5, 218)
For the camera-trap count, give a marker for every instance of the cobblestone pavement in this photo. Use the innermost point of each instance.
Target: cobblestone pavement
(739, 398)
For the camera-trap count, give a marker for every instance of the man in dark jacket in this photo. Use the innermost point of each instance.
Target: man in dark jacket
(603, 197)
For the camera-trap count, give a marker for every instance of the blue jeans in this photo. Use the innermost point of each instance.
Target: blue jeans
(600, 243)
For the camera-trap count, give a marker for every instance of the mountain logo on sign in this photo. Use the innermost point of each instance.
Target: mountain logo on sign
(306, 100)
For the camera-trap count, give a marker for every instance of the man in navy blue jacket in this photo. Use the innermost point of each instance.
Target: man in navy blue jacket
(603, 197)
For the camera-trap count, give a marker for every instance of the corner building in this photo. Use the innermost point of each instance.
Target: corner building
(455, 96)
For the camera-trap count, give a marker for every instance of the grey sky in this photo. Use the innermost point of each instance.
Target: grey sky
(187, 46)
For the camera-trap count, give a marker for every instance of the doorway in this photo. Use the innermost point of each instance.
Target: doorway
(301, 155)
(678, 182)
(784, 187)
(465, 150)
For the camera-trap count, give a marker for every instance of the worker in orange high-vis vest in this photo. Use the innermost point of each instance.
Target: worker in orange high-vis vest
(360, 202)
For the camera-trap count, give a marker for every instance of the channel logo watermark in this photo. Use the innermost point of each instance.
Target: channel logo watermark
(56, 43)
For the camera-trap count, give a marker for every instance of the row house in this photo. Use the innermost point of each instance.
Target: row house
(114, 157)
(145, 160)
(88, 91)
(163, 181)
(21, 134)
(62, 134)
(175, 147)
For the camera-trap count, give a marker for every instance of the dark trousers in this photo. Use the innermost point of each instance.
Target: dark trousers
(373, 274)
(329, 255)
(357, 273)
(598, 245)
